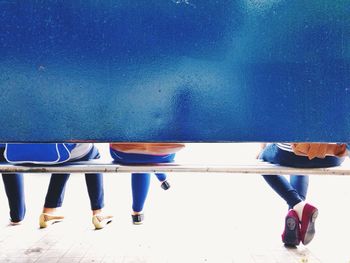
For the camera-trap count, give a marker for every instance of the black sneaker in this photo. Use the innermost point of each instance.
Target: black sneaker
(137, 219)
(165, 185)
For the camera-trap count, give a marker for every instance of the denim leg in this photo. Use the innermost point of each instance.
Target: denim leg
(94, 184)
(273, 154)
(139, 184)
(300, 183)
(14, 187)
(55, 192)
(282, 187)
(161, 176)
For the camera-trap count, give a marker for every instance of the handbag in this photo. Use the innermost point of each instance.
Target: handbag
(38, 153)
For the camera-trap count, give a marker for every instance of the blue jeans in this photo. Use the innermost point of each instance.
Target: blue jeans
(94, 182)
(294, 190)
(14, 188)
(140, 181)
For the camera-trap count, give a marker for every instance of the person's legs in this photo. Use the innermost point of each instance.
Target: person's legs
(94, 183)
(299, 213)
(140, 183)
(14, 187)
(54, 199)
(162, 177)
(295, 191)
(289, 191)
(291, 232)
(282, 187)
(55, 192)
(300, 183)
(307, 213)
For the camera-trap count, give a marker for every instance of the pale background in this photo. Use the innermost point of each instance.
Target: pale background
(202, 218)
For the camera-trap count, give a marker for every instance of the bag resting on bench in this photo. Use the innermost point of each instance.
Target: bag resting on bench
(38, 153)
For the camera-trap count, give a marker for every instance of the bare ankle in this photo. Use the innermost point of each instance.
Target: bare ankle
(49, 210)
(96, 212)
(136, 213)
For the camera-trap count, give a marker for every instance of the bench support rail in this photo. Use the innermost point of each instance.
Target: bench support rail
(256, 167)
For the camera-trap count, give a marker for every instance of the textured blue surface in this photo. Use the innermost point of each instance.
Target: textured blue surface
(175, 70)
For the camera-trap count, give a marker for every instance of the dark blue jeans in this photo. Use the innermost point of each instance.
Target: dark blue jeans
(294, 190)
(14, 187)
(94, 182)
(140, 182)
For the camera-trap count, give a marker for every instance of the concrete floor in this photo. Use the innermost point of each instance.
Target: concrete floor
(202, 218)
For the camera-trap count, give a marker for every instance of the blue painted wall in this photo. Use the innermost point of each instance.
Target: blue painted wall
(175, 70)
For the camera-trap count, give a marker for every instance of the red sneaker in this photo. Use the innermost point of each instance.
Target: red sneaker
(291, 233)
(307, 224)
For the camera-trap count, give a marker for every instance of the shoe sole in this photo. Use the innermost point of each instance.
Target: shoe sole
(310, 231)
(291, 237)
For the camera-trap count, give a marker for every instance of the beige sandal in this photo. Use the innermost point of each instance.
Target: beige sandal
(46, 220)
(100, 221)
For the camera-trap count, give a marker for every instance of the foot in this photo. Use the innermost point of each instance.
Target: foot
(46, 219)
(291, 233)
(307, 223)
(165, 185)
(100, 221)
(137, 219)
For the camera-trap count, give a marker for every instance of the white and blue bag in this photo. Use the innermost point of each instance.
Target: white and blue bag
(38, 153)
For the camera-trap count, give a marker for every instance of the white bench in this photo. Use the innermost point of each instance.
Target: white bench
(101, 166)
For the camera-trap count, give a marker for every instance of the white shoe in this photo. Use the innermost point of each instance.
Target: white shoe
(46, 220)
(100, 221)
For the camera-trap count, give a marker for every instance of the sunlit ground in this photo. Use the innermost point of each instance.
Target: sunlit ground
(202, 218)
